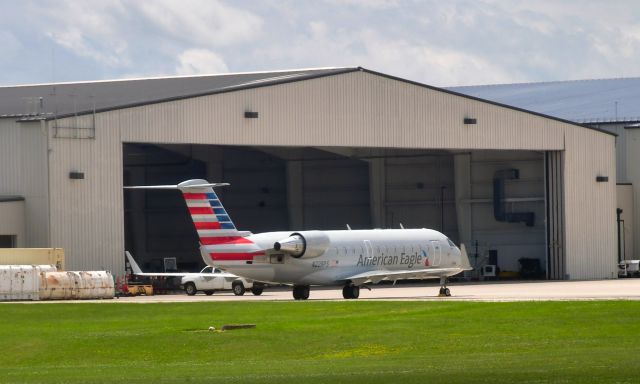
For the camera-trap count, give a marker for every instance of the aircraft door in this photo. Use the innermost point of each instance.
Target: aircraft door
(368, 249)
(436, 253)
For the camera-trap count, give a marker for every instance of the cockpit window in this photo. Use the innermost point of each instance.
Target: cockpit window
(451, 242)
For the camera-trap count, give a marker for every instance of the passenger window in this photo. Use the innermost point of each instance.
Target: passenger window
(216, 270)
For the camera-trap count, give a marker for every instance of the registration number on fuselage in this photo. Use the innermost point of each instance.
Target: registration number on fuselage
(324, 263)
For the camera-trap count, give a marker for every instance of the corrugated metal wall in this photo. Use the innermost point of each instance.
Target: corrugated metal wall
(23, 172)
(356, 110)
(633, 175)
(589, 206)
(10, 166)
(627, 171)
(87, 215)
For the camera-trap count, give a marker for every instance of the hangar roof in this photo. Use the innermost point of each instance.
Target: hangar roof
(582, 101)
(69, 98)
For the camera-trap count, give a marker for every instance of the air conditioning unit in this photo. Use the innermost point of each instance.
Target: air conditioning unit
(488, 271)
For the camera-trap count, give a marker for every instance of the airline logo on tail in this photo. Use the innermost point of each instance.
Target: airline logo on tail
(218, 235)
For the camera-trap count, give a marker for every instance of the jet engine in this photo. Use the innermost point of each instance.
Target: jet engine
(304, 245)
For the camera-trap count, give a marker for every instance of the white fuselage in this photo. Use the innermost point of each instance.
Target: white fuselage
(348, 253)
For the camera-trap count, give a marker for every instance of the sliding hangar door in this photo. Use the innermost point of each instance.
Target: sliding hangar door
(357, 148)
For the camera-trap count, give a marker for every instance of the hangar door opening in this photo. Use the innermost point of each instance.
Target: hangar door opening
(500, 204)
(493, 201)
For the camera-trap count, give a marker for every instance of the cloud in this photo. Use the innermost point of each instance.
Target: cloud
(10, 44)
(200, 61)
(201, 21)
(89, 29)
(417, 60)
(432, 41)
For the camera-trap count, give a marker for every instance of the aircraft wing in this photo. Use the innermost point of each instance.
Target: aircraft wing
(382, 275)
(161, 274)
(135, 269)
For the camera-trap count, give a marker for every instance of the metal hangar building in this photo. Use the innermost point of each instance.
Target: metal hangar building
(612, 105)
(302, 149)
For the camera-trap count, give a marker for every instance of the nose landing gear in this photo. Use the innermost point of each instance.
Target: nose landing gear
(444, 291)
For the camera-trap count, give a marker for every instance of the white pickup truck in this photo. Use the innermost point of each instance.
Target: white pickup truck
(212, 279)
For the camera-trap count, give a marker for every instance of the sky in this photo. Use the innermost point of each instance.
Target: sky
(439, 42)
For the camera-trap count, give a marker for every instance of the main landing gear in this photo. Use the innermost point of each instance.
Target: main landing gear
(301, 292)
(444, 291)
(350, 291)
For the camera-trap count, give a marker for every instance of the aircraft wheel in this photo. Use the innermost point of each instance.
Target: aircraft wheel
(208, 292)
(190, 288)
(447, 292)
(351, 291)
(346, 292)
(238, 289)
(301, 292)
(257, 290)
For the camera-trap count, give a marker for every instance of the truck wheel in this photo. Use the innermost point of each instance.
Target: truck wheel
(238, 289)
(257, 290)
(208, 292)
(190, 288)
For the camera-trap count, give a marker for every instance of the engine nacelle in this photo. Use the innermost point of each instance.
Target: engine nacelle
(304, 245)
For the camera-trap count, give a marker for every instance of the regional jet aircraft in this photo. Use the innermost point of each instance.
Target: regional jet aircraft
(352, 258)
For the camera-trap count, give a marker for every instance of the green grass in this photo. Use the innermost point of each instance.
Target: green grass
(322, 342)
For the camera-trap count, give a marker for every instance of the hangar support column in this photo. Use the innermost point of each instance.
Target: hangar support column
(377, 184)
(295, 194)
(462, 182)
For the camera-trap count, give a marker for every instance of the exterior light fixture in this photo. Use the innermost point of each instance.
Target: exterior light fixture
(250, 115)
(469, 120)
(602, 179)
(73, 175)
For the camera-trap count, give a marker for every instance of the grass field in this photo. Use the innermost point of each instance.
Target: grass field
(322, 342)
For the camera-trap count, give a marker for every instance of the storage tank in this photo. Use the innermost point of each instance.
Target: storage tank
(76, 285)
(22, 282)
(32, 256)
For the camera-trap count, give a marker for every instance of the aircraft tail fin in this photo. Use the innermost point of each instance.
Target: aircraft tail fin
(204, 206)
(466, 265)
(219, 238)
(134, 266)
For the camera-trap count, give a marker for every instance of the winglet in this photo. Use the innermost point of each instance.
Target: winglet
(466, 265)
(134, 266)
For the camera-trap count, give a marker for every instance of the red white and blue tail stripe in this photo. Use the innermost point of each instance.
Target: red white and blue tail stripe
(221, 242)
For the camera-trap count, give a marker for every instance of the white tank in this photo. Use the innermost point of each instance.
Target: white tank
(22, 282)
(76, 285)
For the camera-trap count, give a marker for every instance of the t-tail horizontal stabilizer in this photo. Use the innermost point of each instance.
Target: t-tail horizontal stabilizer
(219, 238)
